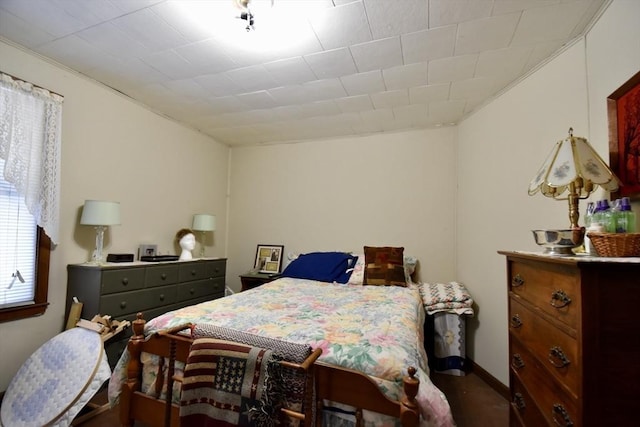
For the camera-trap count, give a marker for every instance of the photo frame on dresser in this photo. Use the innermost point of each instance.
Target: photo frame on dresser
(268, 258)
(623, 110)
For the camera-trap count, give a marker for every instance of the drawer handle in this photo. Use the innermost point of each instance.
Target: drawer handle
(560, 299)
(163, 276)
(518, 400)
(125, 281)
(517, 362)
(517, 281)
(516, 321)
(161, 297)
(193, 272)
(192, 291)
(559, 411)
(557, 357)
(123, 304)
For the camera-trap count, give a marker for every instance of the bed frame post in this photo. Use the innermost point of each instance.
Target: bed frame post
(134, 368)
(409, 409)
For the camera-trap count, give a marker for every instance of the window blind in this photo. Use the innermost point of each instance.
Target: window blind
(18, 235)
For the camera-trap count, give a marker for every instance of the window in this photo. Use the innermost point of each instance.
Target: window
(24, 263)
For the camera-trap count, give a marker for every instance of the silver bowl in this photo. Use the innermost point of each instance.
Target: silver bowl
(559, 242)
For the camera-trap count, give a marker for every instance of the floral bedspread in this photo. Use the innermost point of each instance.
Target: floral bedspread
(373, 329)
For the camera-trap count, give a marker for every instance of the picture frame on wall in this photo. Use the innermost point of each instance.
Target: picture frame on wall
(623, 109)
(268, 258)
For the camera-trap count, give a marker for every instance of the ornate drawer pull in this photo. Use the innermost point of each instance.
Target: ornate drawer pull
(518, 400)
(560, 299)
(516, 322)
(559, 411)
(557, 357)
(123, 304)
(517, 362)
(125, 281)
(517, 281)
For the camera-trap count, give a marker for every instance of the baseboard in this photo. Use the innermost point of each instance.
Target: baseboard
(485, 376)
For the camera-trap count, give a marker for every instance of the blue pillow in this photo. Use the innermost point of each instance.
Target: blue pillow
(322, 266)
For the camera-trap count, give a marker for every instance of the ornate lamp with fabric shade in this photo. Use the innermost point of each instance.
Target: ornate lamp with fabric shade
(100, 214)
(571, 171)
(203, 223)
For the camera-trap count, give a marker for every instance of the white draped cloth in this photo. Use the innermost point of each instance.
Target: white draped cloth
(30, 144)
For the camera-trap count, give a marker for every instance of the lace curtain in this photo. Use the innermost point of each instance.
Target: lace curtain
(30, 144)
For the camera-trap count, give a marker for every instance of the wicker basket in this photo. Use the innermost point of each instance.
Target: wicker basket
(616, 244)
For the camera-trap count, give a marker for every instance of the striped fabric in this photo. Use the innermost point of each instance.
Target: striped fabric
(227, 384)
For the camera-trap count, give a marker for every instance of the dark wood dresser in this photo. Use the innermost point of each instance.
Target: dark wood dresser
(121, 290)
(574, 341)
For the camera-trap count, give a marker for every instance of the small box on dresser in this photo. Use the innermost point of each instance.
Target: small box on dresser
(574, 347)
(122, 290)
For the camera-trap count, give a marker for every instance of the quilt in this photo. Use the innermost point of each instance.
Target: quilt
(375, 330)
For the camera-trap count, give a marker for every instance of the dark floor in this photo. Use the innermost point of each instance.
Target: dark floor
(473, 403)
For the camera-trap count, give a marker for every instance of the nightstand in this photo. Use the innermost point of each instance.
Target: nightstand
(253, 280)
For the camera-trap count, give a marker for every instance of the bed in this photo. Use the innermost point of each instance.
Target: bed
(371, 330)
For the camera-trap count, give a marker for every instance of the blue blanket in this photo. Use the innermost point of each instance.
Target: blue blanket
(322, 266)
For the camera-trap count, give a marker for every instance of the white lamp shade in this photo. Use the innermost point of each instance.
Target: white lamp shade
(98, 212)
(204, 222)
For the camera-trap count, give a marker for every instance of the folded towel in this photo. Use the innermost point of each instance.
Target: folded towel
(451, 297)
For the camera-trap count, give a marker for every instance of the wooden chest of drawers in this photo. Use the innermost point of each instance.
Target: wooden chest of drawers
(123, 290)
(574, 344)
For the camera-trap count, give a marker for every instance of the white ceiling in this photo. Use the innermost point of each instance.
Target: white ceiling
(344, 67)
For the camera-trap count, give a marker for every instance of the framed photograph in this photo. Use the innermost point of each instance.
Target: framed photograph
(623, 108)
(147, 250)
(268, 258)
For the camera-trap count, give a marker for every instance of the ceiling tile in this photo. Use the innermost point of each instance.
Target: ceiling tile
(252, 78)
(331, 63)
(149, 29)
(218, 84)
(486, 34)
(377, 54)
(480, 87)
(290, 71)
(107, 37)
(406, 76)
(355, 103)
(390, 99)
(446, 112)
(425, 94)
(170, 64)
(76, 53)
(319, 90)
(362, 83)
(501, 7)
(21, 31)
(426, 45)
(543, 24)
(287, 95)
(445, 12)
(452, 69)
(394, 18)
(341, 26)
(509, 63)
(206, 57)
(257, 100)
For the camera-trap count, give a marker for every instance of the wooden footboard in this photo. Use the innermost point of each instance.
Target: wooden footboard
(332, 383)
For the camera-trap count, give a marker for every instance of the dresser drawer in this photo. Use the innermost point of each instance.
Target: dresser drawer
(524, 407)
(124, 303)
(217, 268)
(193, 271)
(200, 288)
(552, 288)
(161, 275)
(556, 351)
(127, 279)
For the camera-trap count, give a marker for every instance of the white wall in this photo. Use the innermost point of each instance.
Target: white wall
(502, 146)
(393, 189)
(112, 149)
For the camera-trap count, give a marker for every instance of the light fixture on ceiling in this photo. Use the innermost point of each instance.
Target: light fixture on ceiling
(246, 13)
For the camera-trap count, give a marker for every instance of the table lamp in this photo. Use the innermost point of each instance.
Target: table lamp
(572, 171)
(100, 214)
(203, 223)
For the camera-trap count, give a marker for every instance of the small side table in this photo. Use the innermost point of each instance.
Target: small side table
(253, 280)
